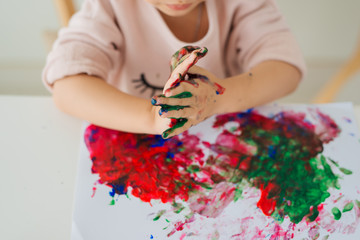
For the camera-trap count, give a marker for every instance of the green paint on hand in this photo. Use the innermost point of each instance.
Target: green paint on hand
(182, 95)
(348, 207)
(166, 108)
(336, 212)
(175, 124)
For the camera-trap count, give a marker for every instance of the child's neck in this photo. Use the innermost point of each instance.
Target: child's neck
(191, 27)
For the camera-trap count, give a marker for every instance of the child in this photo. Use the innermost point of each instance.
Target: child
(114, 57)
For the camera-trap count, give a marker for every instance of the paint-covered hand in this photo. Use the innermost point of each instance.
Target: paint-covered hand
(159, 124)
(190, 93)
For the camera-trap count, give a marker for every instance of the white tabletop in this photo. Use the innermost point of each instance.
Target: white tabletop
(38, 154)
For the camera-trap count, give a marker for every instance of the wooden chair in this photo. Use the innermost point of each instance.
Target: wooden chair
(65, 9)
(333, 87)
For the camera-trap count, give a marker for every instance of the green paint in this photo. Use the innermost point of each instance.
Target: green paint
(345, 171)
(166, 108)
(335, 163)
(182, 95)
(178, 57)
(179, 210)
(190, 215)
(180, 122)
(193, 169)
(336, 212)
(178, 207)
(348, 207)
(158, 216)
(232, 129)
(288, 159)
(357, 203)
(238, 194)
(112, 202)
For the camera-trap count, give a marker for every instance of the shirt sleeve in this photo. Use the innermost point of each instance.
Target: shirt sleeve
(91, 44)
(260, 33)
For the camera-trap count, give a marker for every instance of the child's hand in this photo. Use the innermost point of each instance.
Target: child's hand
(189, 95)
(159, 123)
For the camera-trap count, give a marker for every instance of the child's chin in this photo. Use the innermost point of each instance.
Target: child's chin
(176, 10)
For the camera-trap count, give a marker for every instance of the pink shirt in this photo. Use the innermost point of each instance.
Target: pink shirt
(128, 44)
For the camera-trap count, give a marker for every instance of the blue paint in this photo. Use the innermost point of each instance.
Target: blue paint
(158, 141)
(272, 151)
(112, 192)
(93, 131)
(151, 237)
(249, 110)
(348, 120)
(153, 101)
(117, 188)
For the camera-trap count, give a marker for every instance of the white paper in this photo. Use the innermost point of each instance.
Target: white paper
(130, 218)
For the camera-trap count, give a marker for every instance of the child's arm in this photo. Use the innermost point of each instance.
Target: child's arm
(94, 100)
(264, 83)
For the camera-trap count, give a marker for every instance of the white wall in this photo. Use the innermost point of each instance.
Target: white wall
(326, 30)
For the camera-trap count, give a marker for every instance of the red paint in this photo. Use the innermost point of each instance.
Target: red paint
(154, 168)
(266, 204)
(176, 168)
(219, 89)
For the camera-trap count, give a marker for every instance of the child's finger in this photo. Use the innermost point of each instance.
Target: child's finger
(172, 92)
(179, 72)
(166, 108)
(176, 130)
(186, 112)
(158, 101)
(185, 86)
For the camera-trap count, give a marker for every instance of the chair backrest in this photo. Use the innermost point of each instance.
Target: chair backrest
(333, 87)
(65, 9)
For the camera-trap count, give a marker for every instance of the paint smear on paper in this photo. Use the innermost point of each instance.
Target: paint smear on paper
(256, 152)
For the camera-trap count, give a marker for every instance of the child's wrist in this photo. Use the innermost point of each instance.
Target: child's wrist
(156, 121)
(218, 103)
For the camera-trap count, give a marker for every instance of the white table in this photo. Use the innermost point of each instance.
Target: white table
(38, 157)
(38, 153)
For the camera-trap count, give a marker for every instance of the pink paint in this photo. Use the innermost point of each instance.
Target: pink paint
(214, 202)
(183, 236)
